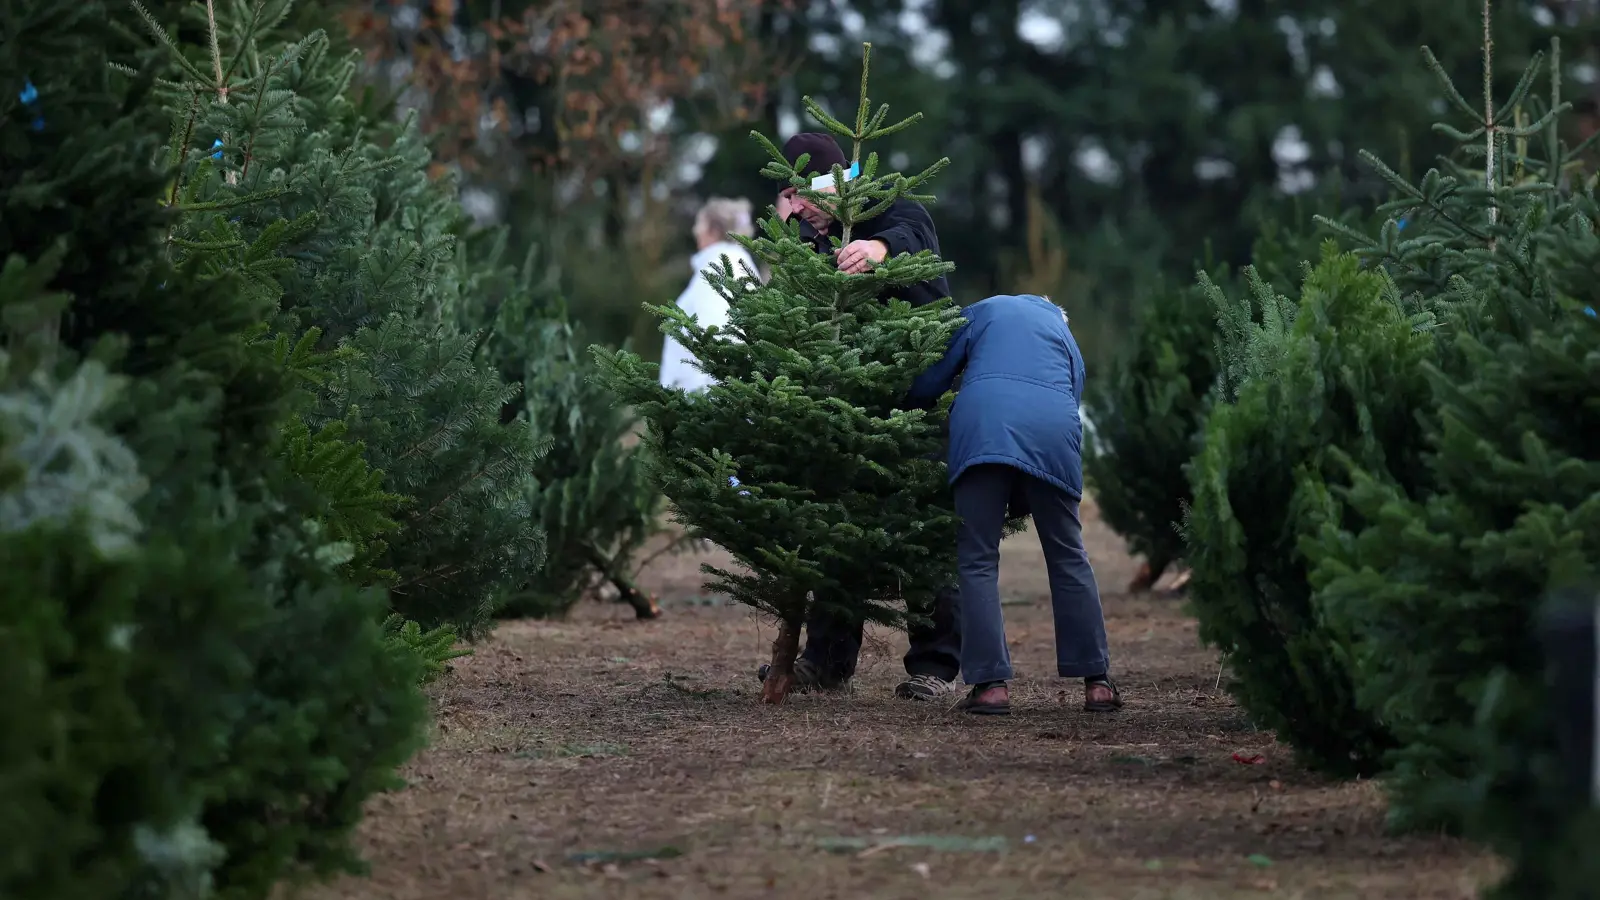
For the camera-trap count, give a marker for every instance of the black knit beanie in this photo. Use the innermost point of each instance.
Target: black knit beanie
(824, 150)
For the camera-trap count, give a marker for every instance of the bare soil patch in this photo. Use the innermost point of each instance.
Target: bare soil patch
(605, 757)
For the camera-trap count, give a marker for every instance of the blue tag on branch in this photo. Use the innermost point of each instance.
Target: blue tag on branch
(29, 95)
(217, 146)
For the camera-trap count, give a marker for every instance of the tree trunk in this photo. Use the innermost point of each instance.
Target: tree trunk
(780, 677)
(1146, 577)
(644, 605)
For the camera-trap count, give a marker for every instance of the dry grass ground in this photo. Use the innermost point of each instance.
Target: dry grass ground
(601, 757)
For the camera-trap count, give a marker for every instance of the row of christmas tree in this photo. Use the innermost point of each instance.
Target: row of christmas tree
(275, 429)
(1382, 467)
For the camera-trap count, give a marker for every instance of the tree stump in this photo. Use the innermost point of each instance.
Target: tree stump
(780, 677)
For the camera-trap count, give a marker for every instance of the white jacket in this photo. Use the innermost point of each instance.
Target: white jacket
(702, 301)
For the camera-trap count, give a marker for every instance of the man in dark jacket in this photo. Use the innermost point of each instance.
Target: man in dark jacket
(833, 643)
(905, 227)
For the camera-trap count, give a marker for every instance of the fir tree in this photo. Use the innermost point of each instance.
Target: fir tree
(286, 182)
(800, 461)
(589, 493)
(1466, 228)
(1150, 408)
(150, 509)
(1148, 412)
(1439, 583)
(1338, 368)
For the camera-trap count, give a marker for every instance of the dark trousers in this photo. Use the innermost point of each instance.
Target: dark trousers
(1568, 630)
(983, 494)
(833, 643)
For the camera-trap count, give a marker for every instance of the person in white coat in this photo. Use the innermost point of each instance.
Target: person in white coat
(714, 226)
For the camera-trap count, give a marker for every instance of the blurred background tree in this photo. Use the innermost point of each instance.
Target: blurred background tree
(577, 123)
(1099, 145)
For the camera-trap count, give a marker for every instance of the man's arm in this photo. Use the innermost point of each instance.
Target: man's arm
(905, 227)
(941, 376)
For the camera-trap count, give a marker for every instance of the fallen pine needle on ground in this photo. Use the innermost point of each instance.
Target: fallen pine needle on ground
(607, 757)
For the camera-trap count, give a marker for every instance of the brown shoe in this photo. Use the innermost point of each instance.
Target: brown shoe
(992, 699)
(1101, 695)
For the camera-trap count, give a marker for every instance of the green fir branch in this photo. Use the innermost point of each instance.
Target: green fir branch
(160, 33)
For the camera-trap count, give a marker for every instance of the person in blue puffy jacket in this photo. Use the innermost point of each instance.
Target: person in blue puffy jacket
(1016, 443)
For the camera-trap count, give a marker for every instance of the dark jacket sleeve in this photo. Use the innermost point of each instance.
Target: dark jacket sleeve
(906, 227)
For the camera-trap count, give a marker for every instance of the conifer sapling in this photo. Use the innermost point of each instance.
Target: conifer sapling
(800, 461)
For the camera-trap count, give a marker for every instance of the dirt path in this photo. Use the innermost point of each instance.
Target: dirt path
(606, 737)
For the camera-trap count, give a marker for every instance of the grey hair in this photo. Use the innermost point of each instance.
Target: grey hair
(722, 217)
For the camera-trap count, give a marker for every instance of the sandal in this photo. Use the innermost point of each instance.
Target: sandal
(992, 699)
(1101, 695)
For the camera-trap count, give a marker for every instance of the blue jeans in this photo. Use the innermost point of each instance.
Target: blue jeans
(982, 495)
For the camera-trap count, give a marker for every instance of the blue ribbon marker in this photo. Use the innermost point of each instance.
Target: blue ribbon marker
(734, 482)
(29, 95)
(1591, 313)
(217, 146)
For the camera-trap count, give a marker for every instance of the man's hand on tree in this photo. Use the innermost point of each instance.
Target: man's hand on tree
(858, 257)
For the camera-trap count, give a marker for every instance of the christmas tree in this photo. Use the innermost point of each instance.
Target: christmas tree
(589, 493)
(332, 215)
(1148, 412)
(1337, 369)
(1441, 583)
(1150, 408)
(800, 461)
(1278, 582)
(197, 701)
